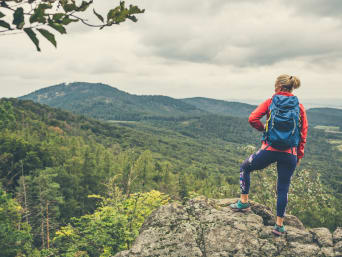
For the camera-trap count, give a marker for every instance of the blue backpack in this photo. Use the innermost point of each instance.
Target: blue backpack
(282, 130)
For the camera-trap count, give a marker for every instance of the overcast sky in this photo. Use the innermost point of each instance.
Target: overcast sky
(224, 49)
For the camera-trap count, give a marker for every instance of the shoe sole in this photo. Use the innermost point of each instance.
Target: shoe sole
(277, 233)
(241, 210)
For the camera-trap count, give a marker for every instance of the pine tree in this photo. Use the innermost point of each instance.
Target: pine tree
(15, 237)
(45, 198)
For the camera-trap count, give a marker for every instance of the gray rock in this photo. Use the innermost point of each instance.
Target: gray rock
(327, 252)
(264, 212)
(209, 228)
(298, 235)
(293, 221)
(303, 250)
(338, 247)
(337, 236)
(322, 236)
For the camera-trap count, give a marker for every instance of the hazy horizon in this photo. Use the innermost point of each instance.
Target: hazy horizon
(307, 102)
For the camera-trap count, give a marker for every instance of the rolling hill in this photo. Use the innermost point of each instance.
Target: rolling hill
(325, 117)
(107, 103)
(205, 122)
(220, 107)
(104, 102)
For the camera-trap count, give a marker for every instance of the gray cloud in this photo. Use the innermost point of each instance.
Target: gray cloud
(214, 48)
(325, 8)
(240, 34)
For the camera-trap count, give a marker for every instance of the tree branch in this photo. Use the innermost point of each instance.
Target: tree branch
(84, 21)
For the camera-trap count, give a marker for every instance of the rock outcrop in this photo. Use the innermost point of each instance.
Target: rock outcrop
(205, 227)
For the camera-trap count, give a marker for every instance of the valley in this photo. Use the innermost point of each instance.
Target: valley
(96, 154)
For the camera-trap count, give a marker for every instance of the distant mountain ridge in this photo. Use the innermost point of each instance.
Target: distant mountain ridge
(221, 107)
(108, 103)
(104, 102)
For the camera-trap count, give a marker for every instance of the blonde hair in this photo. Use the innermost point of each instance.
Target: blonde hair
(287, 83)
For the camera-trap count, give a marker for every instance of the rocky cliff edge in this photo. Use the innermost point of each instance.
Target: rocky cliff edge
(207, 227)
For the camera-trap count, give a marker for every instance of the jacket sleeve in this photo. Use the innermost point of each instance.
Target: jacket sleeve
(303, 133)
(257, 114)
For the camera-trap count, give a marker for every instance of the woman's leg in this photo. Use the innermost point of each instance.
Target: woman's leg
(257, 161)
(286, 165)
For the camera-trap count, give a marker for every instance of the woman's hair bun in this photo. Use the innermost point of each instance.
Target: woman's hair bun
(294, 81)
(287, 83)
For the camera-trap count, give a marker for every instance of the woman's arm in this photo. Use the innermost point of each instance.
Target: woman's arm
(257, 114)
(303, 132)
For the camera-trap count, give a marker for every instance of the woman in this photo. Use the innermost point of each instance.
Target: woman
(286, 158)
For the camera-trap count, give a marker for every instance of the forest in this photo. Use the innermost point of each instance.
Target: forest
(71, 185)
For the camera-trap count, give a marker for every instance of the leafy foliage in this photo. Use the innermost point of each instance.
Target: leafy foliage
(309, 199)
(86, 171)
(7, 118)
(111, 228)
(38, 15)
(15, 237)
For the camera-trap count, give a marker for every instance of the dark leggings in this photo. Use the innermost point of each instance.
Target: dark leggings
(286, 164)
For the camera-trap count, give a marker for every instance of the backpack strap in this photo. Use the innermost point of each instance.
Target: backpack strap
(267, 121)
(269, 116)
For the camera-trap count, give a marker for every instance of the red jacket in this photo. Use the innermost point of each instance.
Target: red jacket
(262, 109)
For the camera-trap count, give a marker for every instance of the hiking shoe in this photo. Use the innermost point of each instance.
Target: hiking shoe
(278, 230)
(239, 206)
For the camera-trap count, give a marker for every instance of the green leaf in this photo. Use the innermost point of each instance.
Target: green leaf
(2, 15)
(133, 9)
(5, 24)
(132, 18)
(18, 18)
(58, 16)
(57, 27)
(33, 37)
(45, 6)
(66, 20)
(39, 13)
(68, 7)
(121, 13)
(98, 16)
(112, 14)
(49, 36)
(3, 4)
(84, 6)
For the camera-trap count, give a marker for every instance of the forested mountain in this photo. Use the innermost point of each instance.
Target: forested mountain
(104, 102)
(220, 107)
(325, 117)
(197, 119)
(316, 116)
(107, 103)
(73, 185)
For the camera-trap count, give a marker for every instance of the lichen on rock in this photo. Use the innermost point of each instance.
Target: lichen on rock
(208, 227)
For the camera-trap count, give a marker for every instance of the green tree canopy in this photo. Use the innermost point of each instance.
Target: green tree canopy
(15, 238)
(45, 17)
